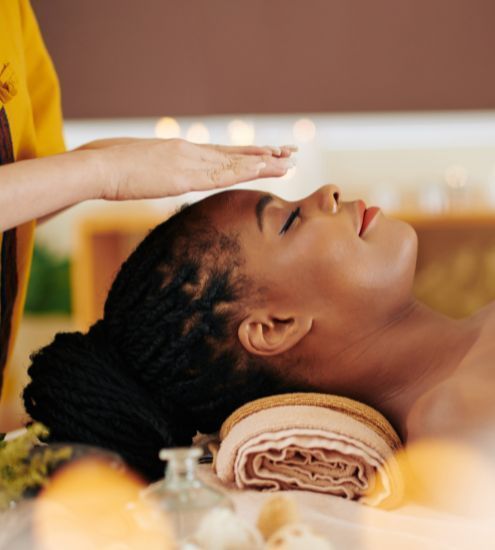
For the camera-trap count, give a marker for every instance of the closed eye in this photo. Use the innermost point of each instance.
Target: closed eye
(293, 215)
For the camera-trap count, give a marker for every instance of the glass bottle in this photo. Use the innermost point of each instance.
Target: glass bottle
(182, 495)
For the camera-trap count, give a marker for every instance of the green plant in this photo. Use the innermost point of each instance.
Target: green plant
(49, 283)
(22, 470)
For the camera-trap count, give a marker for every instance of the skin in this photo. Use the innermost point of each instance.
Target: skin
(338, 315)
(128, 168)
(342, 304)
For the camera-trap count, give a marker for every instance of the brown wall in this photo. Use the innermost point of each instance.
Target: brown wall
(192, 57)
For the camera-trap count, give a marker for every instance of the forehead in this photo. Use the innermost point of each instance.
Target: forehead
(231, 208)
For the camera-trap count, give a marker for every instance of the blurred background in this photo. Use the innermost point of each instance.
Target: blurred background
(392, 100)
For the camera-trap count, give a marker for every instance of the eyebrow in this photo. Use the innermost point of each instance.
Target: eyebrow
(260, 207)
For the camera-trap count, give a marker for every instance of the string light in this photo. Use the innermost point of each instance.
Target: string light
(167, 128)
(198, 133)
(241, 132)
(304, 130)
(456, 176)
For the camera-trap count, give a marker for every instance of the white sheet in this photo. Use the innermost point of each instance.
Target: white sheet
(349, 525)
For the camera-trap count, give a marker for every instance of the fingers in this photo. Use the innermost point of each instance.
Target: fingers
(238, 169)
(234, 169)
(286, 150)
(282, 151)
(276, 167)
(241, 150)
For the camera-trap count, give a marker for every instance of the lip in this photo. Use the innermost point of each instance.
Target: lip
(368, 217)
(365, 216)
(361, 208)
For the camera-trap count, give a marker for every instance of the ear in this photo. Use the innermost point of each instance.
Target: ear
(263, 334)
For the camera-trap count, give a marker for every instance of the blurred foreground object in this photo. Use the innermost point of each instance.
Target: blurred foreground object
(445, 474)
(92, 505)
(21, 469)
(456, 261)
(278, 528)
(282, 528)
(181, 495)
(221, 529)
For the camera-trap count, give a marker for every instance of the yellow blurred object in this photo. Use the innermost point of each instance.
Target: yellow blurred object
(90, 505)
(456, 261)
(450, 476)
(276, 512)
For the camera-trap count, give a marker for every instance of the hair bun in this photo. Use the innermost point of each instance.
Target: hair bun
(84, 394)
(99, 337)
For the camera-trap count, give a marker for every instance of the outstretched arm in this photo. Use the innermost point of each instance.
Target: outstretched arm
(127, 168)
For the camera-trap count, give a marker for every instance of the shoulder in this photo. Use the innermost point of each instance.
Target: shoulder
(431, 413)
(486, 315)
(466, 400)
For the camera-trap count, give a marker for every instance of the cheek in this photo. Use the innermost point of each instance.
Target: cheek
(315, 265)
(377, 271)
(334, 265)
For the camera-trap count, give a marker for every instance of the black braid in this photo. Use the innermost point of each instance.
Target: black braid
(164, 362)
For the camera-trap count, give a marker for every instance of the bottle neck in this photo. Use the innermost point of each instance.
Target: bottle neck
(181, 473)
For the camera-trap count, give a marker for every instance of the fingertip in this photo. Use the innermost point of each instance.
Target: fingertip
(291, 148)
(273, 150)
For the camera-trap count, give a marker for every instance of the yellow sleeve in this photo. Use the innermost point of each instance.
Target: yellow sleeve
(32, 127)
(43, 86)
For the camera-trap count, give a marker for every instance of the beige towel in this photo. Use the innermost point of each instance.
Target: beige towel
(314, 442)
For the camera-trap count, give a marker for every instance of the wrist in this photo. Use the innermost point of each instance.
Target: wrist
(101, 179)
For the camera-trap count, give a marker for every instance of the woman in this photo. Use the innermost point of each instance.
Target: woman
(243, 295)
(38, 179)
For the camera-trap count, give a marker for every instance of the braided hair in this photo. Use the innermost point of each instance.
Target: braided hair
(163, 363)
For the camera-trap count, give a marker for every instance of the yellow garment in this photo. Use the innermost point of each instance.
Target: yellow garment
(30, 126)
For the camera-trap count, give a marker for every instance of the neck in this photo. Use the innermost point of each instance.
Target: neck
(405, 358)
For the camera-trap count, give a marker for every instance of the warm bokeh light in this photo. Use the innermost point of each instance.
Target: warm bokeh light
(432, 199)
(456, 176)
(198, 133)
(304, 130)
(449, 476)
(384, 196)
(91, 505)
(167, 128)
(491, 188)
(446, 484)
(241, 132)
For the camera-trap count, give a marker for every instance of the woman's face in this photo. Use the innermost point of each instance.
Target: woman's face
(315, 258)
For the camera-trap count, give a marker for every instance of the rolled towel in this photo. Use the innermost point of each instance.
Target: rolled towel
(315, 442)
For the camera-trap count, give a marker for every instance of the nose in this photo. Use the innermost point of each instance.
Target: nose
(328, 198)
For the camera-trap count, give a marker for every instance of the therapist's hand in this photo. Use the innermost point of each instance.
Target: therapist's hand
(153, 168)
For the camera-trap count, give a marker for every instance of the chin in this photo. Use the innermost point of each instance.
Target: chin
(394, 247)
(402, 253)
(409, 245)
